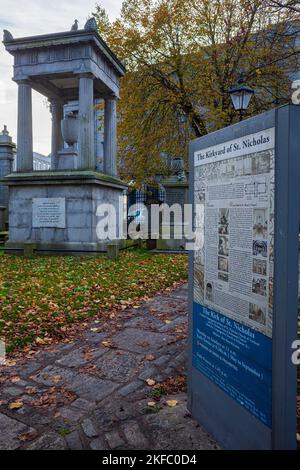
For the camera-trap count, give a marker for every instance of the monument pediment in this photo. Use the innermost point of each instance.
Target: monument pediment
(53, 62)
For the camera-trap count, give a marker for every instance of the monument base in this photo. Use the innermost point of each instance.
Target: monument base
(67, 159)
(56, 211)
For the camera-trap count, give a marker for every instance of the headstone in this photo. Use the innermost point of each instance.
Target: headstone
(244, 281)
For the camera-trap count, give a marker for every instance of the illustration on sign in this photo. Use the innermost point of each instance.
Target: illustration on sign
(233, 268)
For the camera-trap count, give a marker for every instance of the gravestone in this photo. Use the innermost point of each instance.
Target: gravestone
(176, 192)
(244, 185)
(57, 209)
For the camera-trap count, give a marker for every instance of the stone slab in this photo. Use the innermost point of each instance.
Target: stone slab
(13, 428)
(140, 341)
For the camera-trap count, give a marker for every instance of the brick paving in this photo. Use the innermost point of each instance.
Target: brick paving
(84, 395)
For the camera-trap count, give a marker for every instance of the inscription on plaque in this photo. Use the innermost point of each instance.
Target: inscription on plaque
(49, 212)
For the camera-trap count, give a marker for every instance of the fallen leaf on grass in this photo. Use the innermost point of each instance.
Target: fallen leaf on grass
(150, 382)
(168, 322)
(171, 403)
(15, 405)
(39, 340)
(9, 363)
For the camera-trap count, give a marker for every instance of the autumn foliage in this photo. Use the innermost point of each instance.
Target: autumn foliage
(181, 57)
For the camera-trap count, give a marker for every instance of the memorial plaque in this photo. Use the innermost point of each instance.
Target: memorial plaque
(238, 183)
(49, 212)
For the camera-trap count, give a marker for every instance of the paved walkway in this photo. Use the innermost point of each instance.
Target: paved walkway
(95, 392)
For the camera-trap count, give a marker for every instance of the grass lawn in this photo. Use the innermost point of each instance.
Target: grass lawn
(41, 296)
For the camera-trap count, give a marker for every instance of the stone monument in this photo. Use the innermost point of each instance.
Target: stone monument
(7, 155)
(176, 192)
(56, 210)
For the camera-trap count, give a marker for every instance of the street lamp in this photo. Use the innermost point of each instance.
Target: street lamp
(241, 95)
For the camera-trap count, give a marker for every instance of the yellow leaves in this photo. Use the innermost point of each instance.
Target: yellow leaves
(171, 403)
(151, 404)
(9, 363)
(15, 405)
(56, 379)
(39, 340)
(108, 343)
(150, 382)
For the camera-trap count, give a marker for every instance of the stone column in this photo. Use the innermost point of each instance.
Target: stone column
(86, 137)
(57, 141)
(110, 136)
(24, 149)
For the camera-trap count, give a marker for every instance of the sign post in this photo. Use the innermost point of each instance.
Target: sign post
(245, 187)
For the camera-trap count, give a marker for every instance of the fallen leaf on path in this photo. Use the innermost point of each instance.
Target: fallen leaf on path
(30, 390)
(149, 357)
(150, 382)
(56, 379)
(27, 436)
(15, 378)
(143, 344)
(107, 343)
(171, 403)
(15, 405)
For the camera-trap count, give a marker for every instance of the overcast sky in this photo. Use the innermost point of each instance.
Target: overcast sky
(27, 18)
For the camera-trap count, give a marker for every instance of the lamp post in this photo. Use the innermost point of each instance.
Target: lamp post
(241, 95)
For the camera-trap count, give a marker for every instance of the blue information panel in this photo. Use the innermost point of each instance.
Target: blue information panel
(236, 358)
